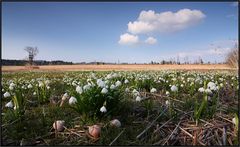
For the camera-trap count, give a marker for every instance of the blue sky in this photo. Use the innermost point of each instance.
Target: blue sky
(125, 31)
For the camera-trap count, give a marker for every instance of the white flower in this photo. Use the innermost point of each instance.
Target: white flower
(126, 81)
(34, 93)
(208, 91)
(64, 96)
(234, 121)
(6, 94)
(103, 109)
(104, 90)
(153, 90)
(211, 86)
(118, 83)
(167, 93)
(9, 104)
(48, 87)
(135, 92)
(174, 88)
(112, 86)
(181, 85)
(201, 89)
(127, 90)
(40, 84)
(138, 98)
(86, 87)
(11, 87)
(79, 89)
(167, 102)
(72, 100)
(29, 86)
(3, 90)
(100, 83)
(221, 84)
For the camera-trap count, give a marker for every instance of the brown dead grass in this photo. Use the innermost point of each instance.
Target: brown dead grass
(131, 67)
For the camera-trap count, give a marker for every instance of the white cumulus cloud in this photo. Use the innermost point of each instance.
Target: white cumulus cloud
(151, 40)
(150, 21)
(128, 39)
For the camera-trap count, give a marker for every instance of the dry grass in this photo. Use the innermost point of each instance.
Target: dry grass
(132, 67)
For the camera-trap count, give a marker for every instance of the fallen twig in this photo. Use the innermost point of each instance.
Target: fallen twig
(117, 137)
(148, 127)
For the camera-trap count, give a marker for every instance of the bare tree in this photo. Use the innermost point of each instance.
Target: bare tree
(32, 52)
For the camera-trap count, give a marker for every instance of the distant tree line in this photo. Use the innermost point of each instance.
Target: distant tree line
(8, 62)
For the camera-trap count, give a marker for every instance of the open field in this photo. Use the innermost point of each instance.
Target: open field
(131, 67)
(151, 107)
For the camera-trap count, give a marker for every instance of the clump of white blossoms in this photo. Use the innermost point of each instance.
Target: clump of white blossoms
(118, 83)
(103, 109)
(126, 81)
(6, 94)
(138, 98)
(174, 88)
(9, 104)
(153, 90)
(104, 90)
(212, 86)
(79, 89)
(72, 100)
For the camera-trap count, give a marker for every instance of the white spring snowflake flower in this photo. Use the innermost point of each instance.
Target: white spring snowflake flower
(221, 84)
(34, 93)
(201, 89)
(104, 91)
(181, 85)
(211, 86)
(6, 94)
(87, 87)
(167, 93)
(48, 87)
(72, 100)
(153, 90)
(101, 83)
(138, 98)
(174, 88)
(208, 91)
(29, 86)
(112, 86)
(118, 83)
(9, 104)
(103, 109)
(40, 84)
(79, 89)
(126, 81)
(11, 87)
(167, 102)
(127, 90)
(234, 121)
